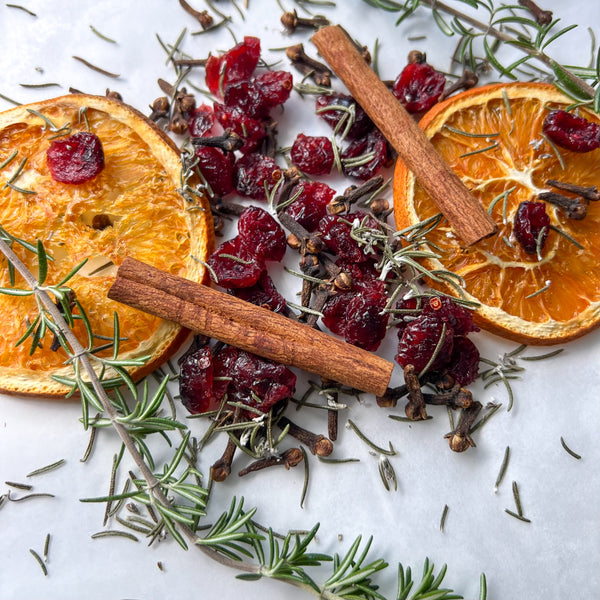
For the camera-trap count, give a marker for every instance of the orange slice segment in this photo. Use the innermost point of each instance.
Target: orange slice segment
(492, 138)
(131, 208)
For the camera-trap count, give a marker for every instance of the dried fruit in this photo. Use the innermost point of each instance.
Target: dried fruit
(419, 341)
(526, 300)
(235, 65)
(373, 143)
(418, 87)
(216, 167)
(234, 265)
(261, 234)
(196, 380)
(312, 155)
(311, 205)
(252, 131)
(253, 173)
(201, 121)
(531, 226)
(75, 159)
(463, 365)
(571, 131)
(362, 123)
(366, 323)
(336, 231)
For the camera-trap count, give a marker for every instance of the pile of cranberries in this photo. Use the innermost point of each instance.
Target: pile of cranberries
(357, 310)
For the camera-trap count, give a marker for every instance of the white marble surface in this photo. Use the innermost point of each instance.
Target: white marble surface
(555, 556)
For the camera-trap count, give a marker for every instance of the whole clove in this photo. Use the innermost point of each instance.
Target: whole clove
(460, 439)
(290, 458)
(575, 208)
(542, 17)
(317, 444)
(291, 21)
(318, 71)
(415, 408)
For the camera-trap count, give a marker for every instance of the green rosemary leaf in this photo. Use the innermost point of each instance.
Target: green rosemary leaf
(442, 24)
(114, 533)
(42, 263)
(39, 561)
(568, 450)
(558, 34)
(490, 55)
(47, 468)
(102, 36)
(366, 440)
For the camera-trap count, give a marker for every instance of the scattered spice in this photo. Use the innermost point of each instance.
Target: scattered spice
(95, 68)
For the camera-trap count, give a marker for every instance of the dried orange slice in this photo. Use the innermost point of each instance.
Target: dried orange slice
(492, 138)
(131, 208)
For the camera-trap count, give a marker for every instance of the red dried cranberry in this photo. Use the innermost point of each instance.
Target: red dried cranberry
(254, 377)
(252, 173)
(275, 87)
(336, 232)
(408, 310)
(447, 310)
(261, 234)
(201, 121)
(334, 312)
(464, 361)
(359, 272)
(418, 87)
(251, 130)
(311, 205)
(375, 143)
(196, 380)
(245, 96)
(572, 131)
(419, 339)
(312, 155)
(223, 367)
(75, 159)
(262, 293)
(366, 323)
(243, 270)
(216, 167)
(531, 226)
(362, 123)
(235, 65)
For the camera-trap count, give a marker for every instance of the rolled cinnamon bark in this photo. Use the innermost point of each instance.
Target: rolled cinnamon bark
(252, 328)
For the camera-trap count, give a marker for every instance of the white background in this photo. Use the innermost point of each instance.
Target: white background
(555, 556)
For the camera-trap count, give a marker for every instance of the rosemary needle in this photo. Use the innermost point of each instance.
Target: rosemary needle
(50, 467)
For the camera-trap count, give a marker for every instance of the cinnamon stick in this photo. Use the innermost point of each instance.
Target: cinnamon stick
(252, 328)
(466, 215)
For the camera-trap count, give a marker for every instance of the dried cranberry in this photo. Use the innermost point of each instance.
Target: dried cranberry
(216, 167)
(252, 173)
(311, 205)
(336, 231)
(361, 272)
(261, 234)
(223, 367)
(362, 123)
(251, 130)
(418, 87)
(418, 342)
(234, 266)
(334, 312)
(75, 159)
(572, 131)
(258, 382)
(366, 323)
(235, 65)
(374, 142)
(196, 380)
(262, 293)
(464, 361)
(447, 310)
(408, 310)
(275, 87)
(201, 121)
(312, 155)
(245, 96)
(531, 226)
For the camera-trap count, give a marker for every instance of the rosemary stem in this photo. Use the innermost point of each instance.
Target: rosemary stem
(504, 37)
(80, 352)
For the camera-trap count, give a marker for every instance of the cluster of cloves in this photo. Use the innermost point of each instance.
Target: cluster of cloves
(449, 394)
(175, 111)
(574, 207)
